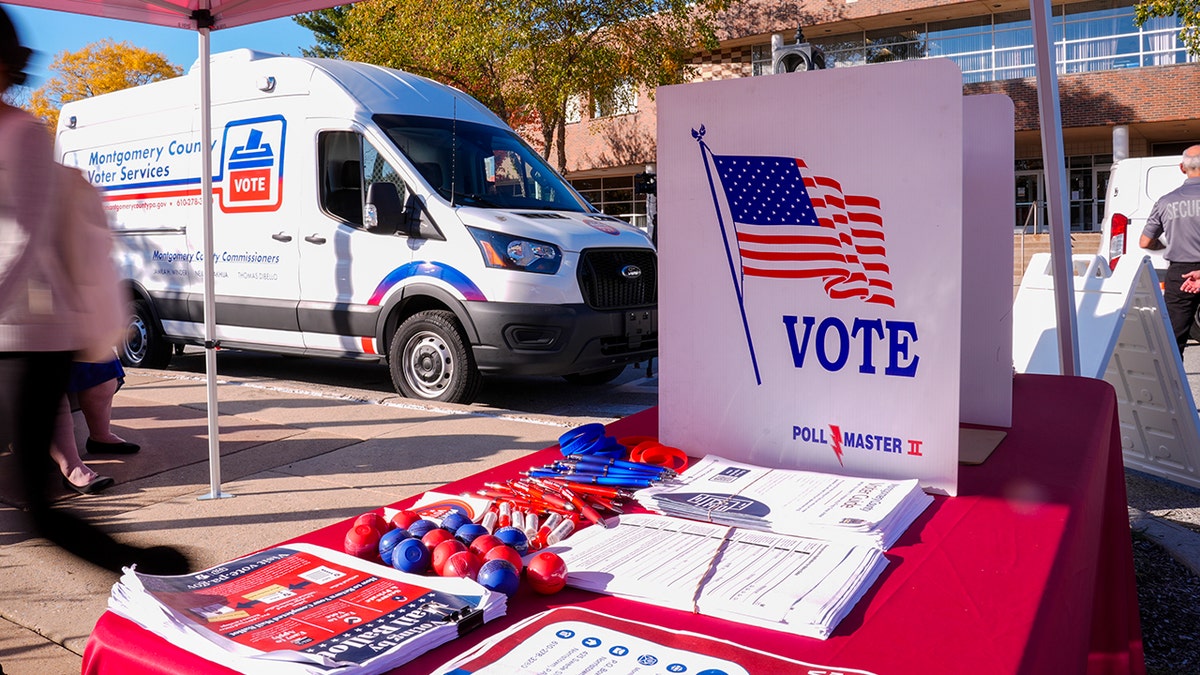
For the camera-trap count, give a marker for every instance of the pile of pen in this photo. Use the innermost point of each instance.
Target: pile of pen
(548, 503)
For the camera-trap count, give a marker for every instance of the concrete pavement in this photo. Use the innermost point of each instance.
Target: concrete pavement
(297, 461)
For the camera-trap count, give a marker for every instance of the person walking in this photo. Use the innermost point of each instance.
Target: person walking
(38, 335)
(1177, 216)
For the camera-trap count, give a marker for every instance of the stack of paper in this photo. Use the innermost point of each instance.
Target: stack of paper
(301, 609)
(787, 501)
(792, 584)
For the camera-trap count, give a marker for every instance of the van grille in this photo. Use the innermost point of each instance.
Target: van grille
(605, 287)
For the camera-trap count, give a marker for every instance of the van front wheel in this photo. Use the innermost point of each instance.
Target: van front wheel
(144, 345)
(429, 359)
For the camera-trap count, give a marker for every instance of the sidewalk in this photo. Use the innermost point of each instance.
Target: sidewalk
(294, 462)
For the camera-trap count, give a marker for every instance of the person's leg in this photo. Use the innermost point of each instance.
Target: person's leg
(65, 453)
(1181, 306)
(32, 386)
(96, 404)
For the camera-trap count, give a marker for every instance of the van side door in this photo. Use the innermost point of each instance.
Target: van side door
(344, 266)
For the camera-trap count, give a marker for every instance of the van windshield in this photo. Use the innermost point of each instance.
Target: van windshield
(477, 165)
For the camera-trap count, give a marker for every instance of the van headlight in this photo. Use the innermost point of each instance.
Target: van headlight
(515, 253)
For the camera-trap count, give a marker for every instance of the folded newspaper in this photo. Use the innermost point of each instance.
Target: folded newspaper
(301, 609)
(792, 584)
(790, 501)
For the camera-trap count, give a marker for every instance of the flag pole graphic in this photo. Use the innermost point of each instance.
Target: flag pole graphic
(705, 153)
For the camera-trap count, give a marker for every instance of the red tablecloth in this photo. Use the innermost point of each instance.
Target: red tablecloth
(1028, 570)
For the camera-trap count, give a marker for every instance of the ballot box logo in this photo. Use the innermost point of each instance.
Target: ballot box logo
(252, 165)
(730, 475)
(779, 220)
(717, 502)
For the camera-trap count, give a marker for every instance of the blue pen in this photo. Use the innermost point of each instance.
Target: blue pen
(594, 480)
(597, 470)
(592, 459)
(617, 464)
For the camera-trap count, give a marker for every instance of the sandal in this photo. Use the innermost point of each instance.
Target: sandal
(94, 486)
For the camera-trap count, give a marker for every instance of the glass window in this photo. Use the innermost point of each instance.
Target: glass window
(622, 101)
(348, 166)
(340, 167)
(478, 165)
(760, 60)
(614, 196)
(574, 109)
(1088, 36)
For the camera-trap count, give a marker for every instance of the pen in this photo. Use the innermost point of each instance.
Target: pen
(598, 490)
(586, 510)
(620, 463)
(616, 475)
(538, 494)
(597, 480)
(598, 470)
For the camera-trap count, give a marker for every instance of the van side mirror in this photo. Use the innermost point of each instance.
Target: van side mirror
(384, 213)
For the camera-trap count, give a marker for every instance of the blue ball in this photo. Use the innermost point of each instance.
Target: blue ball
(468, 532)
(388, 542)
(515, 538)
(500, 576)
(410, 555)
(454, 520)
(421, 528)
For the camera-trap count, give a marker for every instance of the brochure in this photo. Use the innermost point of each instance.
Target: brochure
(572, 640)
(301, 609)
(791, 501)
(793, 584)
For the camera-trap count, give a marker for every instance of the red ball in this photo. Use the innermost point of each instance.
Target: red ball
(443, 551)
(404, 519)
(436, 536)
(462, 564)
(504, 552)
(547, 573)
(374, 520)
(484, 543)
(362, 541)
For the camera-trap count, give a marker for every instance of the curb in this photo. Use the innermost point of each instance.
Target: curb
(1183, 544)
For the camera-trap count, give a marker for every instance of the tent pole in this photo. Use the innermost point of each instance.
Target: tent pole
(1056, 179)
(210, 310)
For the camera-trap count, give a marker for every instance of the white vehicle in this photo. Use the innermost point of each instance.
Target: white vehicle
(360, 212)
(1134, 185)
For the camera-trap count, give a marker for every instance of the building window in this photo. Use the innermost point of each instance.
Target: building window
(574, 109)
(614, 196)
(622, 101)
(1087, 188)
(1088, 37)
(761, 60)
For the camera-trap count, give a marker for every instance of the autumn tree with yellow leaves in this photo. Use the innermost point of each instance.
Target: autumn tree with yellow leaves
(99, 68)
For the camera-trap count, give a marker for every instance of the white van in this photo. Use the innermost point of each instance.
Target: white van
(365, 213)
(1134, 185)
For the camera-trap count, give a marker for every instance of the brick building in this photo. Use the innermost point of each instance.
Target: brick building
(1113, 75)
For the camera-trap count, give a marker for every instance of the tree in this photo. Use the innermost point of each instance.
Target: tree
(99, 68)
(526, 60)
(324, 24)
(1187, 11)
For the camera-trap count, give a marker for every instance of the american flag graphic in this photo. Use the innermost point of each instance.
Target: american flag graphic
(790, 224)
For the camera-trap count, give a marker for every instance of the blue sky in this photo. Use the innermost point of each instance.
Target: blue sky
(49, 33)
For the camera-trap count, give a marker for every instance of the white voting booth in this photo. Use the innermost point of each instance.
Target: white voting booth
(815, 230)
(1123, 340)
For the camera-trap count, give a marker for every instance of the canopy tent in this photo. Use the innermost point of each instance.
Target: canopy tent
(202, 16)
